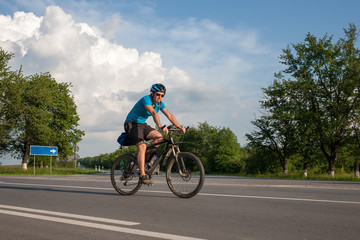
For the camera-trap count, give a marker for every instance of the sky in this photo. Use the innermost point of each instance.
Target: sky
(213, 56)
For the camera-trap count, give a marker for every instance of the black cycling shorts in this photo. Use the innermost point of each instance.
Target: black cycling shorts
(137, 132)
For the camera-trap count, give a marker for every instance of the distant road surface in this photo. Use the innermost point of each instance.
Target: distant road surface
(87, 207)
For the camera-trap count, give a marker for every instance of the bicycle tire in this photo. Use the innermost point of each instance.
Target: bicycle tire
(124, 175)
(190, 183)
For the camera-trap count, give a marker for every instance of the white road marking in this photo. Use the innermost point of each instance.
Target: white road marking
(98, 226)
(283, 186)
(279, 198)
(201, 194)
(97, 219)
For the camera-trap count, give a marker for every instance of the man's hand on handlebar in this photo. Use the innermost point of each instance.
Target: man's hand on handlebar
(183, 130)
(165, 129)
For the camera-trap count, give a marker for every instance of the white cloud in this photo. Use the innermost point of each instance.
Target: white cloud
(75, 52)
(207, 51)
(20, 28)
(23, 26)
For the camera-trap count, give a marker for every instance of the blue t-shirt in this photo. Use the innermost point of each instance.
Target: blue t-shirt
(139, 114)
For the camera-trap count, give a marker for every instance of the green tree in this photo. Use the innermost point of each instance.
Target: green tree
(261, 161)
(329, 74)
(273, 135)
(293, 118)
(36, 110)
(217, 148)
(317, 108)
(228, 154)
(354, 147)
(11, 84)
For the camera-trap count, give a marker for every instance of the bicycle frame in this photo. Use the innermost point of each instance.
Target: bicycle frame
(174, 150)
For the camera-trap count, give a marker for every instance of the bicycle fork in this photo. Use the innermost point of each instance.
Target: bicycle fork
(179, 161)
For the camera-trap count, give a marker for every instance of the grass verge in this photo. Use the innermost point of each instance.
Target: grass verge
(311, 176)
(16, 170)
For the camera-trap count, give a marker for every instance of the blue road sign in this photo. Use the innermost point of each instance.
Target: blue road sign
(43, 150)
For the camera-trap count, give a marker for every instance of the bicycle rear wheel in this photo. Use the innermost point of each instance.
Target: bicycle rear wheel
(124, 175)
(186, 177)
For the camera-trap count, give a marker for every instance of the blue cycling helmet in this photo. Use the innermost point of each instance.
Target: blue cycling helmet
(158, 87)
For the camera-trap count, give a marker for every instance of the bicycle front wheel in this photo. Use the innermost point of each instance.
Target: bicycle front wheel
(185, 176)
(125, 175)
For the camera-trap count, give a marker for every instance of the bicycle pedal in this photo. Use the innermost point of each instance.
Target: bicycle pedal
(149, 184)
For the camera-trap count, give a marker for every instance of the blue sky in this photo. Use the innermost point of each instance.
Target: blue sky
(214, 56)
(277, 21)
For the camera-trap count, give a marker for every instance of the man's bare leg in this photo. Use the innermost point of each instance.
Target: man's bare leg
(141, 146)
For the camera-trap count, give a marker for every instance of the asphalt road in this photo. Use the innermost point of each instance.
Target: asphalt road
(87, 207)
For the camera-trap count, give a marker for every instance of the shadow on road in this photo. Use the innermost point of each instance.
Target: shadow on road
(82, 191)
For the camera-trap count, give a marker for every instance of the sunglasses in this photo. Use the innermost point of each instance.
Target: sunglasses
(160, 95)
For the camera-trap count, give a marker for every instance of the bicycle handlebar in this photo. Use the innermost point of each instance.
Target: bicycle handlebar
(172, 128)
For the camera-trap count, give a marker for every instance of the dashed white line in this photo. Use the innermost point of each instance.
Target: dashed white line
(97, 225)
(70, 215)
(280, 198)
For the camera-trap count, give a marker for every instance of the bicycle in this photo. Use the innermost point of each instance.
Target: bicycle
(185, 174)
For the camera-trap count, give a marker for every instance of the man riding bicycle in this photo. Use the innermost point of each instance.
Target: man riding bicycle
(137, 129)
